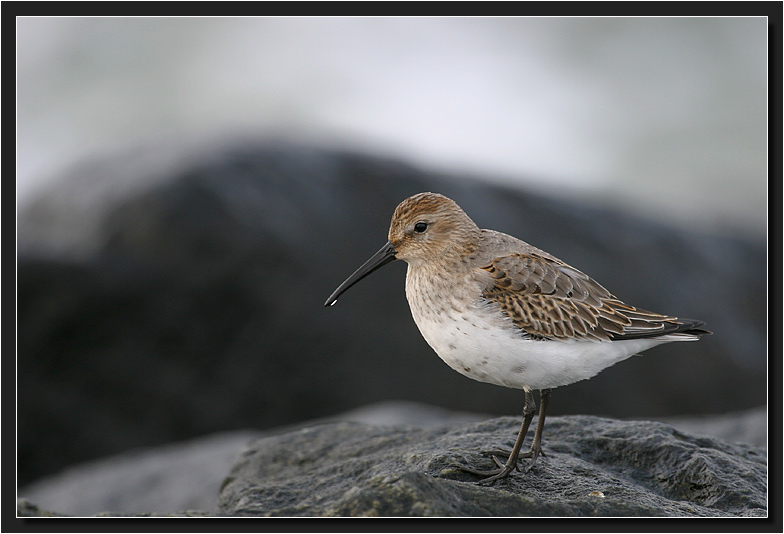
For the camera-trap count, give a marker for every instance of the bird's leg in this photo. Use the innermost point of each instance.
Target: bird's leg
(536, 446)
(511, 463)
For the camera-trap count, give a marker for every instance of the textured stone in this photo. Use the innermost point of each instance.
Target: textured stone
(188, 475)
(25, 509)
(593, 467)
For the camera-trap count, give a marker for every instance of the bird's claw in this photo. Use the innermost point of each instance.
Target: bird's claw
(504, 468)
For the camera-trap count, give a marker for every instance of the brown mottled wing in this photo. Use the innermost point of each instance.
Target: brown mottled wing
(551, 300)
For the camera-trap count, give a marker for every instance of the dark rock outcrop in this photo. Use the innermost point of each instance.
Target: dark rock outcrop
(188, 475)
(593, 467)
(166, 295)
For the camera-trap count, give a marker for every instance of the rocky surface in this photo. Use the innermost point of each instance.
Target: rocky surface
(26, 509)
(158, 480)
(593, 467)
(185, 478)
(174, 292)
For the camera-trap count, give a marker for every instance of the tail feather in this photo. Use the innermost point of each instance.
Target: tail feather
(674, 330)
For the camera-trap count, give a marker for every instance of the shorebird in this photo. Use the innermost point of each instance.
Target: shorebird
(499, 310)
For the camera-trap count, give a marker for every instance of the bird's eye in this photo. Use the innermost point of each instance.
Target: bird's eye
(420, 227)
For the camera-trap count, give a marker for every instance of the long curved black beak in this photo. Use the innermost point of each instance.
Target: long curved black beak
(379, 259)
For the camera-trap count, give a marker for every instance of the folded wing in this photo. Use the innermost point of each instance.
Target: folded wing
(549, 299)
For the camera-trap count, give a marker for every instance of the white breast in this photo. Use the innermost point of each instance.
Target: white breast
(478, 341)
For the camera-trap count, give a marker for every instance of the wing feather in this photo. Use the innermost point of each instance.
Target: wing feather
(549, 299)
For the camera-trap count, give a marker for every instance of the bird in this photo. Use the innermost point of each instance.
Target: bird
(501, 311)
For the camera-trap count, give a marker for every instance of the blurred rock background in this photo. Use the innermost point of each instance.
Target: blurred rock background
(191, 190)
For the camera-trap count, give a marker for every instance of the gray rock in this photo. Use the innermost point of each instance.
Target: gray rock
(25, 509)
(593, 467)
(747, 426)
(416, 414)
(159, 480)
(162, 295)
(186, 476)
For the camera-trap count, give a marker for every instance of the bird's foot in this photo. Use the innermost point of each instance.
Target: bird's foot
(493, 474)
(533, 454)
(504, 468)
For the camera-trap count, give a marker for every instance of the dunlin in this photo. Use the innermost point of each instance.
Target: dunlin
(499, 310)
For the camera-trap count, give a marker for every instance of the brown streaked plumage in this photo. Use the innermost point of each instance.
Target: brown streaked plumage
(547, 298)
(499, 310)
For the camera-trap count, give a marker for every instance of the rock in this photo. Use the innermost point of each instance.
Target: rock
(593, 467)
(186, 476)
(170, 293)
(25, 508)
(159, 480)
(407, 413)
(747, 426)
